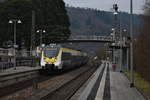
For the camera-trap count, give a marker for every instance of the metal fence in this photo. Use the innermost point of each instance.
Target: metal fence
(29, 63)
(21, 53)
(23, 58)
(5, 65)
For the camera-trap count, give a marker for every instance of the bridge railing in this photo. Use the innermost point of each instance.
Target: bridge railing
(83, 37)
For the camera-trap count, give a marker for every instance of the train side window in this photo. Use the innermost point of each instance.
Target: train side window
(66, 56)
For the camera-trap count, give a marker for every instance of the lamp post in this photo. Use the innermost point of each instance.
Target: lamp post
(113, 34)
(41, 35)
(115, 7)
(15, 21)
(125, 43)
(131, 45)
(113, 44)
(121, 40)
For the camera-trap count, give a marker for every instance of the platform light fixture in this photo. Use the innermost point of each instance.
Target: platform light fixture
(15, 22)
(41, 35)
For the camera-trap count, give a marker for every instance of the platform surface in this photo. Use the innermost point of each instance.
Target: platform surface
(112, 85)
(18, 70)
(120, 88)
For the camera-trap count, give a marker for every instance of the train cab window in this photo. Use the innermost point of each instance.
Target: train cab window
(66, 56)
(51, 52)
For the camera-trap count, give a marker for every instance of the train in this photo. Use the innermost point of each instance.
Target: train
(55, 58)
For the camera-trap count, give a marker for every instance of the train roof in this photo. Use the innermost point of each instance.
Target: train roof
(65, 48)
(68, 49)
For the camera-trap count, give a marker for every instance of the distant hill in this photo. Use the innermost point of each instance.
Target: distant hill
(91, 21)
(87, 21)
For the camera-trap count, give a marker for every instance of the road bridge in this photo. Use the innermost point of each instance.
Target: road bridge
(84, 38)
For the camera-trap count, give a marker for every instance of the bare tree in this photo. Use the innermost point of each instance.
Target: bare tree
(143, 46)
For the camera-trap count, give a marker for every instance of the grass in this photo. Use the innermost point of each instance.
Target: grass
(140, 83)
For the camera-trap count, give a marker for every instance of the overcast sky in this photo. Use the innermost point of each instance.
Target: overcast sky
(107, 4)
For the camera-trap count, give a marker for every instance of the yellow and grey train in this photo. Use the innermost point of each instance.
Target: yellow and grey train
(55, 57)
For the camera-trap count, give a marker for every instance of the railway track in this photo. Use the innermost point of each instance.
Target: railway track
(47, 87)
(66, 91)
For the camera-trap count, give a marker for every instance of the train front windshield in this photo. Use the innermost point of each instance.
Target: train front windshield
(51, 52)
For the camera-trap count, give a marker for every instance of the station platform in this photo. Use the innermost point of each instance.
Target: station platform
(106, 84)
(19, 69)
(11, 76)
